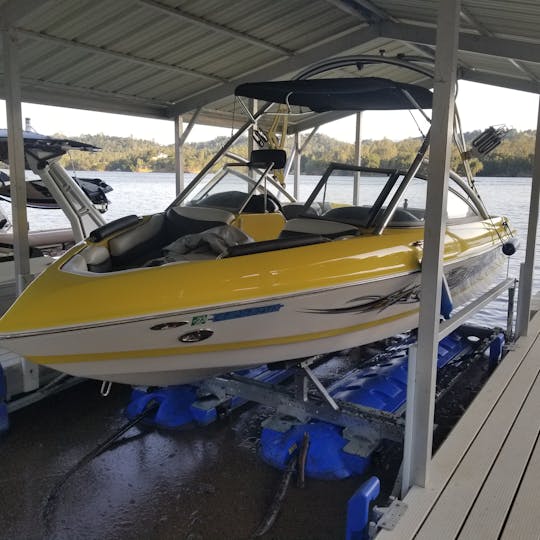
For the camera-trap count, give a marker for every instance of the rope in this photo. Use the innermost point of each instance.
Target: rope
(275, 507)
(98, 450)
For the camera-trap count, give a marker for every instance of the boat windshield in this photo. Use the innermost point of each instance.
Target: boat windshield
(238, 188)
(363, 196)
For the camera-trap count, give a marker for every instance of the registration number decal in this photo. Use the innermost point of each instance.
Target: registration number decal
(236, 314)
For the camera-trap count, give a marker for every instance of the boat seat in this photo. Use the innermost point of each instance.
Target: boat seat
(140, 244)
(92, 259)
(403, 217)
(126, 248)
(181, 220)
(294, 210)
(98, 259)
(317, 227)
(358, 215)
(224, 199)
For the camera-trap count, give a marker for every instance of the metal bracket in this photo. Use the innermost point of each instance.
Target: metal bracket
(388, 516)
(362, 441)
(105, 388)
(322, 390)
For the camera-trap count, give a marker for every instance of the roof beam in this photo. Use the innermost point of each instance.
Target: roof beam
(59, 95)
(185, 16)
(346, 7)
(344, 42)
(492, 46)
(121, 56)
(475, 23)
(496, 79)
(366, 9)
(377, 11)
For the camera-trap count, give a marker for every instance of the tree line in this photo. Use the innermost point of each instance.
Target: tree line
(514, 156)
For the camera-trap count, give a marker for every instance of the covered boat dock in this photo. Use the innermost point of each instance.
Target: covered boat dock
(485, 477)
(181, 61)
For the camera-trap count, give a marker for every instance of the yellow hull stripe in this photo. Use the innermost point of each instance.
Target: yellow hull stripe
(130, 355)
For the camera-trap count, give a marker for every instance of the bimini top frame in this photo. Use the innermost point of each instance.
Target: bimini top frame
(349, 94)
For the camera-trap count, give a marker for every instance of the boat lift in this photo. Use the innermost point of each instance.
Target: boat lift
(343, 432)
(365, 425)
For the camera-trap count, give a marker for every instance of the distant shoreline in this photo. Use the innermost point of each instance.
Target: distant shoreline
(513, 158)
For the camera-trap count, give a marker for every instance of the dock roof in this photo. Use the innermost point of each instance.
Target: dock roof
(163, 58)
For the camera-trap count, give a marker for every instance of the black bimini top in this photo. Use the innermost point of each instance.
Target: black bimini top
(321, 95)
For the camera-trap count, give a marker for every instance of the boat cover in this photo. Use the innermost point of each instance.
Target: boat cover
(204, 245)
(345, 94)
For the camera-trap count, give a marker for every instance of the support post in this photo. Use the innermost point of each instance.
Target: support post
(18, 185)
(526, 277)
(290, 160)
(16, 160)
(178, 153)
(406, 472)
(420, 407)
(357, 156)
(297, 160)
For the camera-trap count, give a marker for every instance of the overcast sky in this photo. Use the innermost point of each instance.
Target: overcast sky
(480, 106)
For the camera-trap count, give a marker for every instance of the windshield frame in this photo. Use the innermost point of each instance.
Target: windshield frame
(254, 184)
(378, 210)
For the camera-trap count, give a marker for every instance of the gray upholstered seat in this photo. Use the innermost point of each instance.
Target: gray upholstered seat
(316, 226)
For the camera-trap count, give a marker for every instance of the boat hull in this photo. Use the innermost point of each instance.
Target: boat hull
(183, 346)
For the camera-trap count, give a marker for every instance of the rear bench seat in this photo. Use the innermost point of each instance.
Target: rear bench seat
(138, 245)
(135, 245)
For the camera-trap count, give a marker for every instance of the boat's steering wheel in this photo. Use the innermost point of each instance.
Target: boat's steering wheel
(256, 204)
(271, 197)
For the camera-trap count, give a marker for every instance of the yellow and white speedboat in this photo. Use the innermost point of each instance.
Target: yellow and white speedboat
(232, 275)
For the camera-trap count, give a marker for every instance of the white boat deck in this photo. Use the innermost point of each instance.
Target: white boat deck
(485, 478)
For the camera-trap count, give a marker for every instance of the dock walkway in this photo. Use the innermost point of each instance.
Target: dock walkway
(485, 477)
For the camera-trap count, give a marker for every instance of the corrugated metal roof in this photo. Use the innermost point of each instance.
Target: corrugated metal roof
(160, 58)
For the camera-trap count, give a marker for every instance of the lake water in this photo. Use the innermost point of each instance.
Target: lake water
(146, 193)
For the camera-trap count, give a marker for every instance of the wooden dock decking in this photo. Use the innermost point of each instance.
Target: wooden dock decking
(485, 477)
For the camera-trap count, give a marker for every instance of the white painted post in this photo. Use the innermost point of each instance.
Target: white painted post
(421, 391)
(178, 153)
(357, 156)
(12, 90)
(297, 159)
(527, 270)
(16, 160)
(406, 480)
